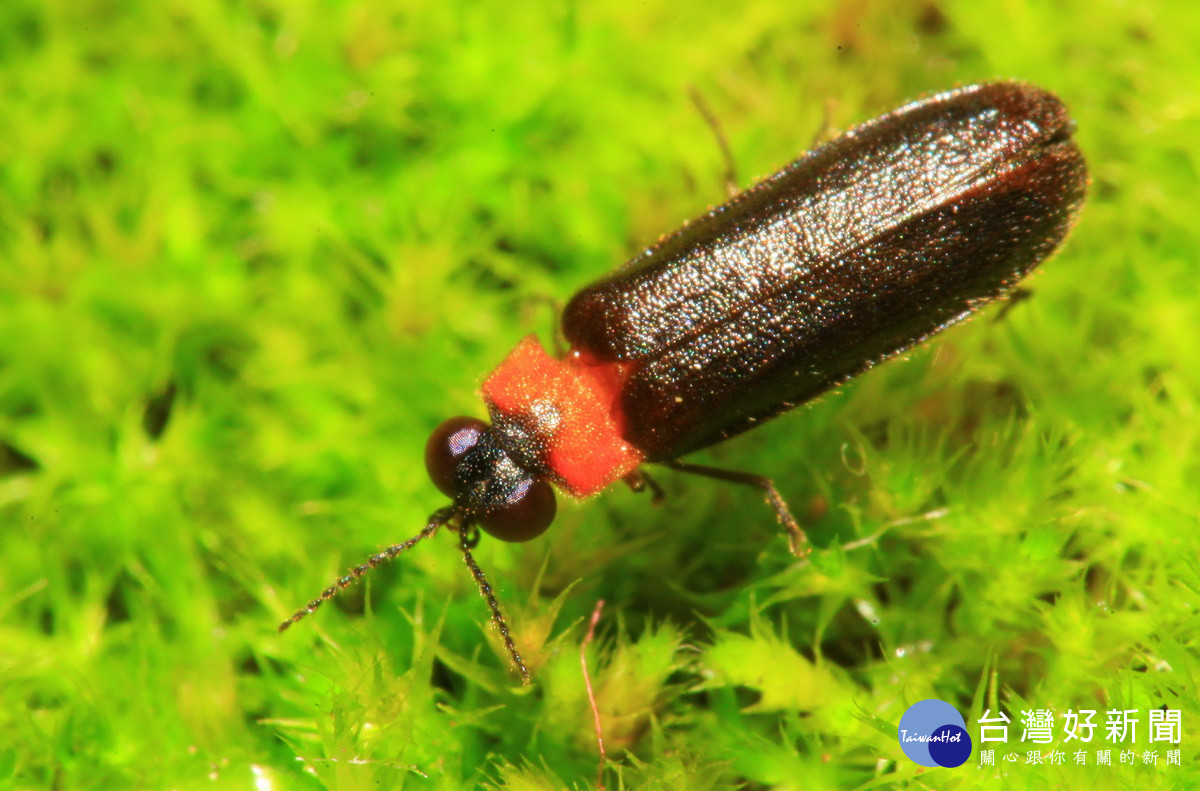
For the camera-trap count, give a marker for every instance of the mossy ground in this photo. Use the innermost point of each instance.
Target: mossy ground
(251, 253)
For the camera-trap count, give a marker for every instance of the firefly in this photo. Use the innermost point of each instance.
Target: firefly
(861, 249)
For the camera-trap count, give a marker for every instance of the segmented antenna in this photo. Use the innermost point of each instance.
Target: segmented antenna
(438, 519)
(467, 539)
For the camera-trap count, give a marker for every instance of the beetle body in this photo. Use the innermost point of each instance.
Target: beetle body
(860, 249)
(853, 253)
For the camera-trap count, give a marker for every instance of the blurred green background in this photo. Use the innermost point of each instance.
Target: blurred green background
(251, 253)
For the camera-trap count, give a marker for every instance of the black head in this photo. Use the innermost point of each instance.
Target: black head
(467, 461)
(507, 496)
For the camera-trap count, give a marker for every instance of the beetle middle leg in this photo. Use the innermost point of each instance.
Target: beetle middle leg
(797, 540)
(1016, 296)
(731, 177)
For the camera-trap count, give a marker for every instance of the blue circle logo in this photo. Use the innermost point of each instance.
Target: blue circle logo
(933, 733)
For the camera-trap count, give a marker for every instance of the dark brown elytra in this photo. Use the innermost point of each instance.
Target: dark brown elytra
(855, 252)
(851, 254)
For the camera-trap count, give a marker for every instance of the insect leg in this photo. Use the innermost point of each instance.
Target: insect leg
(557, 341)
(1015, 297)
(826, 131)
(639, 481)
(731, 179)
(796, 538)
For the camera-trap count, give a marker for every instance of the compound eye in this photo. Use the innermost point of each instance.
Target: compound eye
(523, 518)
(446, 447)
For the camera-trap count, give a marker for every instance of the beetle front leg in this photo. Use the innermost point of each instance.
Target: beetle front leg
(639, 481)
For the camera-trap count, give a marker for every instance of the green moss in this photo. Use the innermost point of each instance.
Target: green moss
(253, 252)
